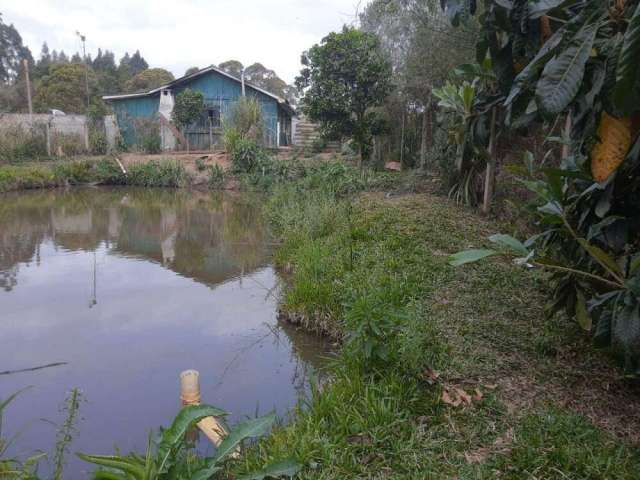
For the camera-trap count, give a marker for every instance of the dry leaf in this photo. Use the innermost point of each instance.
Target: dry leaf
(463, 396)
(478, 396)
(431, 376)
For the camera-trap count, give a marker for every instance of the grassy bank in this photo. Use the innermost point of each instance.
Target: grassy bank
(444, 372)
(104, 171)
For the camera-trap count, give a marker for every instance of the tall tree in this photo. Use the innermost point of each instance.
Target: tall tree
(43, 63)
(346, 76)
(260, 76)
(64, 88)
(191, 71)
(232, 67)
(104, 66)
(12, 53)
(137, 63)
(148, 80)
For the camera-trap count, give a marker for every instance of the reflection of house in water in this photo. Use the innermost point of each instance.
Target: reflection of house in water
(200, 236)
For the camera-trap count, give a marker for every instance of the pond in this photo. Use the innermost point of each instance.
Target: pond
(115, 291)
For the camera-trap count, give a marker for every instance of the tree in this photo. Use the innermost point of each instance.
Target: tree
(232, 67)
(191, 71)
(148, 80)
(12, 54)
(64, 88)
(260, 76)
(187, 108)
(104, 66)
(345, 78)
(130, 66)
(43, 63)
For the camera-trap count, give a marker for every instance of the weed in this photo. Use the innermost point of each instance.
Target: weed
(155, 173)
(200, 165)
(216, 177)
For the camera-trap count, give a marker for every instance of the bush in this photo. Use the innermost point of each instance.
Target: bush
(216, 177)
(70, 144)
(73, 172)
(246, 155)
(167, 173)
(147, 135)
(18, 144)
(98, 142)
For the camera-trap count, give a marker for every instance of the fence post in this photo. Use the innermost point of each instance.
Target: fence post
(86, 133)
(491, 166)
(47, 133)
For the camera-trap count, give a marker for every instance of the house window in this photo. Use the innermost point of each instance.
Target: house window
(214, 116)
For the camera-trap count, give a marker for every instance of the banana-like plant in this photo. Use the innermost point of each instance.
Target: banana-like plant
(171, 459)
(577, 62)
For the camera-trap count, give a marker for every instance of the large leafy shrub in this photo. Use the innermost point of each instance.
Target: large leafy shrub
(576, 62)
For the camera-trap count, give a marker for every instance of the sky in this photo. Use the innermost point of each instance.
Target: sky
(176, 35)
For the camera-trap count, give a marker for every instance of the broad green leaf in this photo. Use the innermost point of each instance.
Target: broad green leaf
(206, 473)
(582, 314)
(251, 428)
(525, 78)
(600, 255)
(123, 464)
(509, 242)
(469, 256)
(562, 76)
(173, 436)
(107, 475)
(625, 93)
(286, 468)
(552, 208)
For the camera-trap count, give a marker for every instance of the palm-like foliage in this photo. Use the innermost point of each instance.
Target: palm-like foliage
(172, 460)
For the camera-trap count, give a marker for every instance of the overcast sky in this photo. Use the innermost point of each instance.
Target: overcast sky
(179, 34)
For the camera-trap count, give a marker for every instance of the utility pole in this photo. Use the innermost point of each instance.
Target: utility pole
(26, 76)
(83, 39)
(242, 81)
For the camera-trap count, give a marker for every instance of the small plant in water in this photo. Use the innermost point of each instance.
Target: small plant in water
(171, 459)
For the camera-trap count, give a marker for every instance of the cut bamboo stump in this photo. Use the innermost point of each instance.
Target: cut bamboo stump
(190, 395)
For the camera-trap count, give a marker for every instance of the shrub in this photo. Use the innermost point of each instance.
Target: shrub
(246, 155)
(70, 144)
(19, 144)
(97, 142)
(166, 173)
(216, 177)
(147, 135)
(200, 165)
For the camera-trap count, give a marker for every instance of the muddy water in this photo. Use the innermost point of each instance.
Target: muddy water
(121, 290)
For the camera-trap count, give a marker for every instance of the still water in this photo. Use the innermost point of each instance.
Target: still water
(122, 289)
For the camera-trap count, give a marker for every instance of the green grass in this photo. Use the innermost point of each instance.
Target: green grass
(373, 272)
(105, 171)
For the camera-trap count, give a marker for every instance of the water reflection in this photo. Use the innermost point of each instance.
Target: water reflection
(124, 288)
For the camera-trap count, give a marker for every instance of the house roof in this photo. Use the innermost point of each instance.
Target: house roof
(281, 101)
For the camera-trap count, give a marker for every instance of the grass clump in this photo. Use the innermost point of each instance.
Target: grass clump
(157, 173)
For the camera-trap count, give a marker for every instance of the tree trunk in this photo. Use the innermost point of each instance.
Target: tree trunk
(491, 167)
(423, 142)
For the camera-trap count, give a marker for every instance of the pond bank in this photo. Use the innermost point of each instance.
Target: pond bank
(445, 372)
(201, 171)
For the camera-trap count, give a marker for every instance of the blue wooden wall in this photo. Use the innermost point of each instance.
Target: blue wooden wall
(218, 90)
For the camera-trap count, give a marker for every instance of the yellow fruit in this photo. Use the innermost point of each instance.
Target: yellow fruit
(614, 136)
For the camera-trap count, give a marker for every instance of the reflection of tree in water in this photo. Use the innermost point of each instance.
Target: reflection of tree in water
(207, 237)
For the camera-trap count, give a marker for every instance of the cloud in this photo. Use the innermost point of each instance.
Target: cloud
(179, 35)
